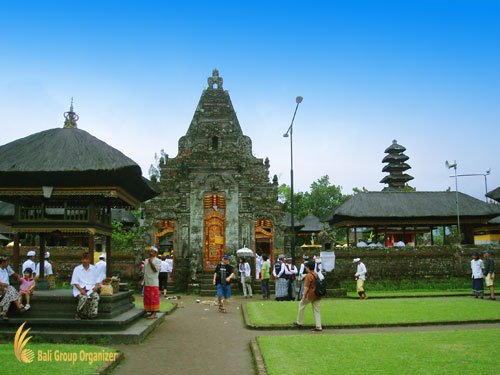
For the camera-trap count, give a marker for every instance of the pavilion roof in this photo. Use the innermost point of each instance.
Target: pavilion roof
(398, 205)
(311, 223)
(70, 157)
(494, 194)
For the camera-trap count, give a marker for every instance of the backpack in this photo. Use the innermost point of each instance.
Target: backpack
(320, 289)
(277, 268)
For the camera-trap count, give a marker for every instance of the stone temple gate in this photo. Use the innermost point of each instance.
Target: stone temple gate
(215, 195)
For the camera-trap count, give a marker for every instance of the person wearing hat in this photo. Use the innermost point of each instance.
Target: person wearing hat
(222, 280)
(30, 262)
(47, 267)
(281, 292)
(101, 267)
(489, 272)
(477, 267)
(291, 272)
(360, 277)
(152, 284)
(302, 274)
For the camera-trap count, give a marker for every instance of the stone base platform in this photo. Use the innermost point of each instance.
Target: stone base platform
(51, 319)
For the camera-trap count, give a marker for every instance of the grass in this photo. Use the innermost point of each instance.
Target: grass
(446, 352)
(377, 311)
(444, 284)
(414, 293)
(164, 305)
(51, 365)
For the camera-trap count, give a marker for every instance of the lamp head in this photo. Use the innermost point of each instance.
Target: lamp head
(298, 99)
(285, 135)
(488, 171)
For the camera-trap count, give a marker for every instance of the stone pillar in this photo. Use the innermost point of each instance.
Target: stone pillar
(16, 256)
(42, 283)
(91, 246)
(108, 256)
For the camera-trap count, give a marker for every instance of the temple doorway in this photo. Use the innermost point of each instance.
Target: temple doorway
(164, 236)
(214, 219)
(264, 237)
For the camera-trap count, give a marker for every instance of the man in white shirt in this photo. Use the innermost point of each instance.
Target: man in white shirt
(163, 275)
(30, 262)
(291, 272)
(477, 267)
(281, 286)
(258, 266)
(47, 267)
(360, 277)
(85, 282)
(101, 268)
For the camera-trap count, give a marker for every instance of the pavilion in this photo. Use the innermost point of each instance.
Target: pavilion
(63, 183)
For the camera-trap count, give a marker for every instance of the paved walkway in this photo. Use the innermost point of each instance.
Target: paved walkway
(196, 339)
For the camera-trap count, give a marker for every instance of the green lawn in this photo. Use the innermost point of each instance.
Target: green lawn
(53, 364)
(414, 293)
(450, 352)
(377, 311)
(165, 306)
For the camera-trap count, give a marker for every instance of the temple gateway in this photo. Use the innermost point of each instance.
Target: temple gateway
(215, 196)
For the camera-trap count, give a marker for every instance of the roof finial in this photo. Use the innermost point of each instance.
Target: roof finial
(215, 80)
(70, 118)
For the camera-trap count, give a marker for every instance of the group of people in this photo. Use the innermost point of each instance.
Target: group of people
(30, 271)
(483, 272)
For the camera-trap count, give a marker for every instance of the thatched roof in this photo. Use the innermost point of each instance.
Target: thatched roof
(123, 216)
(68, 157)
(311, 223)
(494, 194)
(287, 221)
(404, 205)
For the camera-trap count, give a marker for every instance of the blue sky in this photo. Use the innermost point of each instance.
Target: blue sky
(426, 73)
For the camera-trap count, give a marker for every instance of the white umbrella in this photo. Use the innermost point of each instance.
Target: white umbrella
(244, 252)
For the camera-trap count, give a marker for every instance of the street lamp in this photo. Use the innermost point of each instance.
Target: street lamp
(298, 100)
(454, 166)
(485, 174)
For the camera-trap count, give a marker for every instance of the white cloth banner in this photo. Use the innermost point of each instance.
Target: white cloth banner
(327, 260)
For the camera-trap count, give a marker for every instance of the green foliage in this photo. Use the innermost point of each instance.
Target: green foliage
(322, 198)
(451, 352)
(122, 238)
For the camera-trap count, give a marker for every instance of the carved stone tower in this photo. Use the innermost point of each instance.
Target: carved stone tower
(215, 196)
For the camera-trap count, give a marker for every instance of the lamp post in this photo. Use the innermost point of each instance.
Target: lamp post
(298, 100)
(485, 174)
(454, 166)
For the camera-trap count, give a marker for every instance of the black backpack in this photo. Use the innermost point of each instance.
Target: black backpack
(320, 289)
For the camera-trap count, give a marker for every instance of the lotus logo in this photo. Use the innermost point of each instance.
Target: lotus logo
(20, 341)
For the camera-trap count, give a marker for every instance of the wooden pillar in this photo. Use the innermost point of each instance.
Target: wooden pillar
(91, 246)
(16, 255)
(347, 233)
(385, 236)
(355, 236)
(108, 256)
(41, 256)
(444, 234)
(415, 231)
(432, 236)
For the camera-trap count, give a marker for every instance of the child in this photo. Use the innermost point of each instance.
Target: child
(27, 286)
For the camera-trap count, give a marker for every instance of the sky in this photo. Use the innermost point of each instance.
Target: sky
(426, 73)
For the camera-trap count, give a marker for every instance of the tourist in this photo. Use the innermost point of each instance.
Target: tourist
(281, 292)
(266, 274)
(163, 275)
(477, 267)
(291, 272)
(489, 272)
(47, 267)
(245, 277)
(222, 281)
(26, 287)
(101, 267)
(8, 294)
(309, 296)
(302, 274)
(30, 262)
(151, 284)
(360, 277)
(85, 282)
(10, 271)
